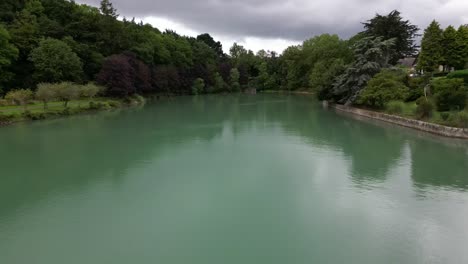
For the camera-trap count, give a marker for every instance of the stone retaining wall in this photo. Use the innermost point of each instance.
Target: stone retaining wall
(406, 122)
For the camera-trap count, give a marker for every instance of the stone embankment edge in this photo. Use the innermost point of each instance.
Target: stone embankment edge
(440, 130)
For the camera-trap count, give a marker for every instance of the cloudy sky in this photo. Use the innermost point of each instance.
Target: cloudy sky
(276, 24)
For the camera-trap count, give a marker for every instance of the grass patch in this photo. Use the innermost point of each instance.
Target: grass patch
(35, 110)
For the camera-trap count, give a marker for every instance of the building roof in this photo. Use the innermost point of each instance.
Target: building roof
(408, 62)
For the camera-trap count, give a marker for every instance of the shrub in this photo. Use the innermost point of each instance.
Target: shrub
(45, 93)
(395, 107)
(90, 90)
(450, 94)
(424, 108)
(386, 86)
(416, 88)
(441, 84)
(450, 100)
(198, 86)
(34, 116)
(461, 119)
(462, 74)
(114, 104)
(66, 91)
(98, 105)
(4, 102)
(20, 97)
(6, 117)
(445, 116)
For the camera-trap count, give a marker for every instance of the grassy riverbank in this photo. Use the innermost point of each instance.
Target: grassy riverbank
(410, 110)
(36, 111)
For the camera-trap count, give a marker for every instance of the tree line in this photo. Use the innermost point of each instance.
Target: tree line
(54, 41)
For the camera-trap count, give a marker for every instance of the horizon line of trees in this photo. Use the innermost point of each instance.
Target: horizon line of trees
(54, 41)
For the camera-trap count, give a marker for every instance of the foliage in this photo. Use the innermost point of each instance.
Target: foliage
(371, 55)
(393, 26)
(234, 80)
(449, 38)
(66, 91)
(198, 86)
(450, 100)
(323, 76)
(215, 45)
(45, 92)
(219, 83)
(424, 108)
(461, 119)
(8, 53)
(118, 75)
(462, 74)
(394, 107)
(54, 61)
(431, 48)
(441, 84)
(416, 87)
(90, 90)
(20, 97)
(386, 86)
(449, 94)
(108, 9)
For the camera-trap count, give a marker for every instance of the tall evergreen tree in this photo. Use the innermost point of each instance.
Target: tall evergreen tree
(449, 48)
(462, 47)
(393, 26)
(431, 48)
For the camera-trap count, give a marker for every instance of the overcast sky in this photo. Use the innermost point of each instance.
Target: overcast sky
(276, 24)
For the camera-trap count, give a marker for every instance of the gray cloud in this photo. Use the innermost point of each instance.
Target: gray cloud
(288, 19)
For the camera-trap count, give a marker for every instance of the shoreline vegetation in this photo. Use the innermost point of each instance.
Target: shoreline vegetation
(90, 58)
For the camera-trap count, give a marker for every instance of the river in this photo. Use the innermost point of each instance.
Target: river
(230, 179)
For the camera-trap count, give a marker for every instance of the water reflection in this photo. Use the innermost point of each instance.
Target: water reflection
(76, 152)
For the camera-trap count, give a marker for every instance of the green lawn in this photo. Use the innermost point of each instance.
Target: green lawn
(16, 112)
(409, 108)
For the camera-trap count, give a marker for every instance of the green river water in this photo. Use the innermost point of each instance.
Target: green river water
(230, 179)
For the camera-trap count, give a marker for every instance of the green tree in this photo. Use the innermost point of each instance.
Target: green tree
(54, 61)
(450, 49)
(386, 86)
(8, 53)
(107, 9)
(237, 52)
(262, 80)
(45, 92)
(325, 47)
(371, 55)
(21, 97)
(323, 76)
(462, 48)
(215, 45)
(219, 84)
(393, 26)
(90, 90)
(431, 55)
(66, 91)
(25, 30)
(234, 80)
(198, 86)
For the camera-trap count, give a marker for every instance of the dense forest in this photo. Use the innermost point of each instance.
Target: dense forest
(60, 41)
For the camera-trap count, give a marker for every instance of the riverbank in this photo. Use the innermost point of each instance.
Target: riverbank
(35, 111)
(303, 92)
(440, 130)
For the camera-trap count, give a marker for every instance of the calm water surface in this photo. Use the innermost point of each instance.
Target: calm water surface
(233, 179)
